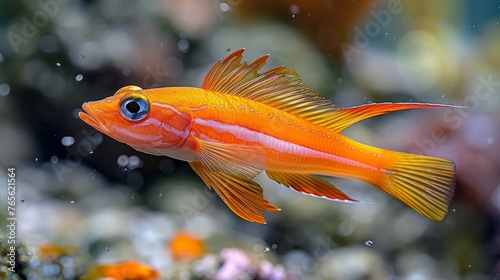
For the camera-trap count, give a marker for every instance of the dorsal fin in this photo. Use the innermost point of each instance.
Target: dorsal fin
(344, 117)
(279, 87)
(283, 89)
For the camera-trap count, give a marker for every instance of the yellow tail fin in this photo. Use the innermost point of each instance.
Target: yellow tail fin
(424, 183)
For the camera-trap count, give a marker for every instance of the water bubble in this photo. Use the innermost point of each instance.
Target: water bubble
(224, 7)
(79, 78)
(72, 202)
(122, 161)
(294, 9)
(134, 162)
(48, 44)
(91, 152)
(97, 139)
(75, 112)
(48, 269)
(160, 194)
(22, 200)
(57, 64)
(107, 249)
(68, 263)
(166, 166)
(67, 141)
(36, 159)
(54, 159)
(183, 46)
(126, 72)
(274, 246)
(369, 243)
(266, 249)
(4, 89)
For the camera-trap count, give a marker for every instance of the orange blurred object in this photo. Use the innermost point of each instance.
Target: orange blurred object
(186, 246)
(124, 270)
(54, 251)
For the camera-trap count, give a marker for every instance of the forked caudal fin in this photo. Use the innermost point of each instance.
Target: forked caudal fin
(424, 183)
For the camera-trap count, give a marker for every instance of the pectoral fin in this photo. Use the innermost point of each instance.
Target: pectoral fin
(229, 169)
(243, 196)
(234, 159)
(310, 185)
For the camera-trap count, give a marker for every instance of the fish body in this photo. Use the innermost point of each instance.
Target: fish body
(242, 122)
(291, 144)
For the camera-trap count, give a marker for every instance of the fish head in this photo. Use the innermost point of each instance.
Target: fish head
(139, 118)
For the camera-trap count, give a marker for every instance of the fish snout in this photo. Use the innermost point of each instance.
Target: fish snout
(94, 117)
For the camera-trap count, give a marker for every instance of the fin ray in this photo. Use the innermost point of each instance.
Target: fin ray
(310, 185)
(229, 170)
(239, 160)
(424, 183)
(243, 196)
(344, 117)
(270, 88)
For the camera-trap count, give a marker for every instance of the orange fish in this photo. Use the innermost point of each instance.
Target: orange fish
(186, 246)
(242, 122)
(124, 270)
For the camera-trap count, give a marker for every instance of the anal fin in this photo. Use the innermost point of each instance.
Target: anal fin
(310, 185)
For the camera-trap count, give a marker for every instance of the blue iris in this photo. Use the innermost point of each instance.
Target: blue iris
(134, 108)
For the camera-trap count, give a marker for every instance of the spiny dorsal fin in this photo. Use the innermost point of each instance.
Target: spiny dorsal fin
(279, 87)
(283, 89)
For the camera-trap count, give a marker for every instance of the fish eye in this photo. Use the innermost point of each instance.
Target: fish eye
(134, 108)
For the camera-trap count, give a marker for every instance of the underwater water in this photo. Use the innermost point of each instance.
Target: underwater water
(77, 204)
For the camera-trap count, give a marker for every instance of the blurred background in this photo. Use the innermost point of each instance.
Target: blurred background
(85, 201)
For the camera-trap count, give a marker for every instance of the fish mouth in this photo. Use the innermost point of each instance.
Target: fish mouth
(90, 117)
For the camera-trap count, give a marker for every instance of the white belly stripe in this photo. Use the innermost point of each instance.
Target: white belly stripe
(272, 142)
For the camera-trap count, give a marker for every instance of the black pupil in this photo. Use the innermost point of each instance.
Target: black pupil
(133, 107)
